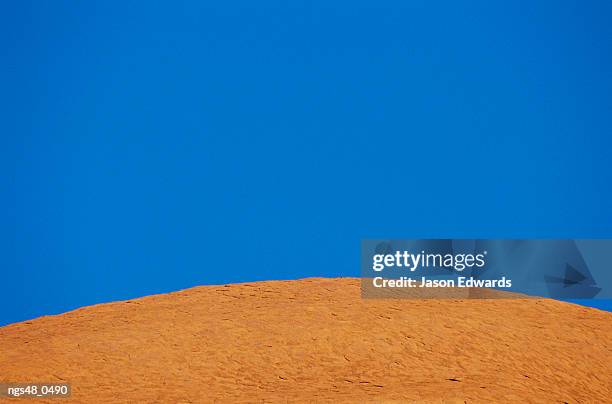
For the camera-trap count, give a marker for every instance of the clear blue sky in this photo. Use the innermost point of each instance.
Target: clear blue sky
(154, 146)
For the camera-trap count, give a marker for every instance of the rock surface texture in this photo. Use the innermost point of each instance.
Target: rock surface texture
(315, 340)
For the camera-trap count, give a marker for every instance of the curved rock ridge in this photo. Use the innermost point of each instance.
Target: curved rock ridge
(315, 340)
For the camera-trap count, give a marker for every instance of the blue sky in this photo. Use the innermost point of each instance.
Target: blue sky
(154, 146)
